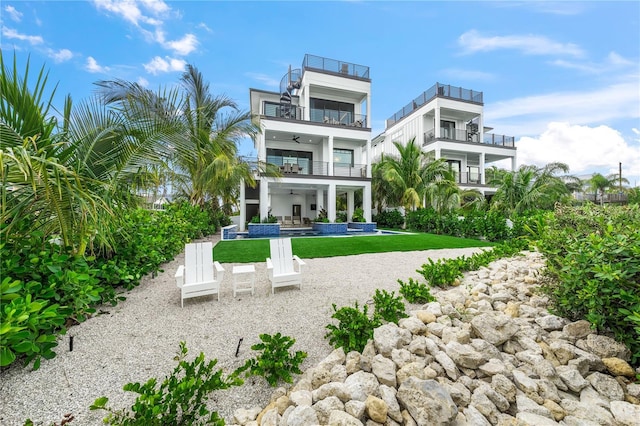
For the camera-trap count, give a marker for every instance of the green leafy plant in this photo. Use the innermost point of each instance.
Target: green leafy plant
(389, 219)
(274, 362)
(322, 216)
(441, 273)
(354, 328)
(358, 215)
(179, 400)
(388, 306)
(415, 292)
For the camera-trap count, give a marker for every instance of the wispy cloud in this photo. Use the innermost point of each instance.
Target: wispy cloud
(61, 55)
(613, 62)
(13, 34)
(531, 114)
(148, 16)
(93, 67)
(473, 41)
(264, 79)
(160, 65)
(143, 82)
(204, 26)
(14, 14)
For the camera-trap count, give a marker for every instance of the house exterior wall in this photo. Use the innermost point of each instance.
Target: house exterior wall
(301, 139)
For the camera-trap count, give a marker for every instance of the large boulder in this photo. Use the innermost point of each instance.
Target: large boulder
(427, 402)
(495, 327)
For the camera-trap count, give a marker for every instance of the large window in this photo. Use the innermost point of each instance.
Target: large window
(343, 157)
(282, 157)
(324, 111)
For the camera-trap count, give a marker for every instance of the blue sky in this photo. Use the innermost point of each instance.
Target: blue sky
(562, 77)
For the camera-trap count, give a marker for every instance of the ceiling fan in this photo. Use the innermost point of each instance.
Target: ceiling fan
(292, 193)
(295, 139)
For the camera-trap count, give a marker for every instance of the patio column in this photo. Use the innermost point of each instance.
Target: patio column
(350, 204)
(330, 163)
(438, 155)
(243, 206)
(262, 147)
(331, 202)
(366, 201)
(436, 125)
(482, 160)
(368, 163)
(264, 199)
(514, 161)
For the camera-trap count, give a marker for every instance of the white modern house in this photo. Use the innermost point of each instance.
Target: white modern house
(448, 121)
(316, 129)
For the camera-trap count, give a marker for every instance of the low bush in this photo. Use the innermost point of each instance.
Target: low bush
(179, 400)
(388, 306)
(275, 363)
(593, 260)
(389, 219)
(354, 328)
(416, 292)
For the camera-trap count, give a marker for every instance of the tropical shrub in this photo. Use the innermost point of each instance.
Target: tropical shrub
(415, 292)
(354, 328)
(179, 400)
(275, 362)
(388, 306)
(593, 262)
(441, 273)
(358, 215)
(389, 219)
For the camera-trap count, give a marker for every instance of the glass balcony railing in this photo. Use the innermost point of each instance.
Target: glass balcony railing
(467, 136)
(325, 116)
(334, 66)
(441, 90)
(292, 167)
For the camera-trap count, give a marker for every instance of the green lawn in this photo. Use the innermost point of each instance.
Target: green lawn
(250, 251)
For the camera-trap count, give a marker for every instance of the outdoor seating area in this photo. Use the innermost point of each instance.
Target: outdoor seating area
(200, 275)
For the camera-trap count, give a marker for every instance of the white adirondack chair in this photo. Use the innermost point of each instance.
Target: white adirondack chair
(284, 268)
(200, 275)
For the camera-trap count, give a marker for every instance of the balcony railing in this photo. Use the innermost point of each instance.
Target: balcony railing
(333, 66)
(342, 118)
(326, 116)
(441, 90)
(467, 136)
(292, 167)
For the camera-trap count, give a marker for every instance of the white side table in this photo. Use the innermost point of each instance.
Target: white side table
(244, 279)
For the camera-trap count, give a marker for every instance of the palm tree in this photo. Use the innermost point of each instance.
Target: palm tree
(70, 179)
(411, 178)
(600, 184)
(529, 187)
(205, 158)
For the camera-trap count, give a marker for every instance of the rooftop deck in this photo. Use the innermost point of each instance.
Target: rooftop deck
(312, 62)
(437, 90)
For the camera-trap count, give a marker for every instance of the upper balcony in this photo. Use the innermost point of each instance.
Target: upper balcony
(332, 66)
(316, 115)
(437, 90)
(457, 135)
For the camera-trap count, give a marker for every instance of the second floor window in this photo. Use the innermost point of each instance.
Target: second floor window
(332, 112)
(343, 157)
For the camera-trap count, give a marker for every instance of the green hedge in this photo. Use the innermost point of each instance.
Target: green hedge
(44, 289)
(593, 262)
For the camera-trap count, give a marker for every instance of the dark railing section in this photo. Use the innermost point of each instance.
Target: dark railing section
(326, 116)
(283, 111)
(468, 136)
(291, 167)
(342, 118)
(334, 66)
(442, 90)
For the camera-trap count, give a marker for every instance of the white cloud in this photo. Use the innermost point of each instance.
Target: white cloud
(585, 149)
(184, 46)
(143, 82)
(264, 79)
(158, 65)
(14, 14)
(126, 9)
(156, 6)
(61, 55)
(472, 41)
(531, 114)
(204, 27)
(93, 66)
(613, 62)
(13, 34)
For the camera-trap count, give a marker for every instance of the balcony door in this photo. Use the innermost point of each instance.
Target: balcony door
(455, 166)
(448, 129)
